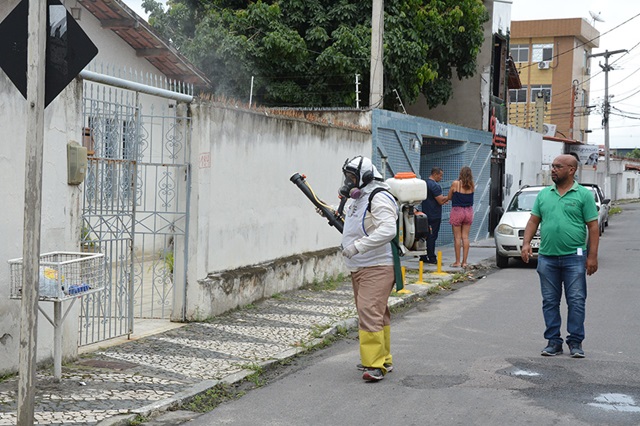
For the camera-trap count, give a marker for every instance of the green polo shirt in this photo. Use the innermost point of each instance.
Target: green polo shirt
(563, 219)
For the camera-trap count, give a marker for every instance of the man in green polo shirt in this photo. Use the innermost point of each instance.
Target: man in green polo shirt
(562, 211)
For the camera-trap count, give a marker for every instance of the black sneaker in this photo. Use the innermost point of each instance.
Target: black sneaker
(389, 367)
(576, 350)
(432, 261)
(552, 349)
(373, 375)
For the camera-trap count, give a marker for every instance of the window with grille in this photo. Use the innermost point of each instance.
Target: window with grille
(631, 186)
(542, 52)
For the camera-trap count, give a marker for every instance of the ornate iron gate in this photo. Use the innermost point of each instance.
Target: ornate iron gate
(134, 211)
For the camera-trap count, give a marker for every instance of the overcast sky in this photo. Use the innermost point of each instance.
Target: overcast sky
(618, 31)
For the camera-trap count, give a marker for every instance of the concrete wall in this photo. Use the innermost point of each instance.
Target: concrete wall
(628, 186)
(60, 226)
(625, 184)
(245, 212)
(523, 162)
(61, 204)
(469, 102)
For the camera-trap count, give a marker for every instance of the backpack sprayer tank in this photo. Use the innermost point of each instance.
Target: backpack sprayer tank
(413, 226)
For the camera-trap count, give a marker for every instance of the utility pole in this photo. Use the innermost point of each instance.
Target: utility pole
(574, 93)
(36, 49)
(539, 116)
(605, 114)
(377, 32)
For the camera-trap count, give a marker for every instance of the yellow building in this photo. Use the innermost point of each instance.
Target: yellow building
(552, 58)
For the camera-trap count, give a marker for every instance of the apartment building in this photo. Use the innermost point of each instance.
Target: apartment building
(552, 58)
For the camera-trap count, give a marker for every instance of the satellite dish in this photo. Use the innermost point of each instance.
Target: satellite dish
(596, 17)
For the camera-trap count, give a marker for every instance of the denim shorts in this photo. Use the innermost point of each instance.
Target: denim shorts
(461, 216)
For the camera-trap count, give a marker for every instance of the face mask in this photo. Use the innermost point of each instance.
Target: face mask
(349, 189)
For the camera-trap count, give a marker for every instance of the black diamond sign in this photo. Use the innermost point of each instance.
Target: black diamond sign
(69, 49)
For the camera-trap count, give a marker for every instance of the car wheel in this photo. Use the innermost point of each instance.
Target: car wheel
(600, 230)
(606, 223)
(501, 261)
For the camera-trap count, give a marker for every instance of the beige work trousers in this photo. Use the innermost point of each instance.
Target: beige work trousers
(371, 288)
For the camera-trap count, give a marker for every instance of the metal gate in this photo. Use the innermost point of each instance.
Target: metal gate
(135, 207)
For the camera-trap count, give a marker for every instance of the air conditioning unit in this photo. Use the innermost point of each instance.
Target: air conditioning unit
(544, 65)
(549, 129)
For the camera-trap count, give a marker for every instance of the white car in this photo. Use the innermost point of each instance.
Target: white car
(509, 233)
(603, 204)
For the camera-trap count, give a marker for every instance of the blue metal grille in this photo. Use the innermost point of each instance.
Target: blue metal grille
(404, 143)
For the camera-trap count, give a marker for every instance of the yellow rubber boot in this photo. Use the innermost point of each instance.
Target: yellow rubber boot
(372, 349)
(388, 359)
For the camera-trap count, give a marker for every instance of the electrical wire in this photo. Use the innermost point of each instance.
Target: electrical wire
(585, 43)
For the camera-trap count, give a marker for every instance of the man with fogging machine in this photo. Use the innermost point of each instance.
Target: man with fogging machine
(369, 227)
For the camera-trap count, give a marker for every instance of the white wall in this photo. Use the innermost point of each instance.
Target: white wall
(60, 229)
(241, 198)
(244, 208)
(619, 178)
(524, 159)
(628, 185)
(550, 150)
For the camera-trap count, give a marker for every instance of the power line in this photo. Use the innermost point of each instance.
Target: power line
(589, 41)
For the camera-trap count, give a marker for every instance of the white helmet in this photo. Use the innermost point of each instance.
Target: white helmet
(363, 170)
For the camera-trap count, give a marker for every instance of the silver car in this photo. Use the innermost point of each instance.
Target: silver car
(509, 233)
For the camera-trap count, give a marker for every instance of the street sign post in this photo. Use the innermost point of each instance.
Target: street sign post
(68, 48)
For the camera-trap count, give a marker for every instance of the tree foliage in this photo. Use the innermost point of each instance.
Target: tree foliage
(634, 154)
(307, 52)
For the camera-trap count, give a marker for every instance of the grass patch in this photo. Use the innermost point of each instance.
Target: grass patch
(317, 330)
(255, 377)
(248, 307)
(211, 398)
(327, 284)
(7, 376)
(138, 420)
(615, 210)
(327, 339)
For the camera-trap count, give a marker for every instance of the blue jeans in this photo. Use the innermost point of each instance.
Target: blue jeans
(554, 271)
(434, 224)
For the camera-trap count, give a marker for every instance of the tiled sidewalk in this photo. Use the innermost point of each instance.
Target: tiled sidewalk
(154, 373)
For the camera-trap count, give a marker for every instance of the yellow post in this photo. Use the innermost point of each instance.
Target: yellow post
(439, 270)
(420, 270)
(403, 290)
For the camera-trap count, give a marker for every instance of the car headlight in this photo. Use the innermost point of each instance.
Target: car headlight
(504, 229)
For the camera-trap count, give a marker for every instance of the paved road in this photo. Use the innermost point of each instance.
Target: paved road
(473, 358)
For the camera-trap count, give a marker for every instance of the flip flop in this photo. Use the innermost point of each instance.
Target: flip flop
(453, 265)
